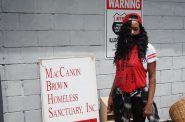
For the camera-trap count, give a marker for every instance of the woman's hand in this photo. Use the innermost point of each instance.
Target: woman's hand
(110, 104)
(148, 110)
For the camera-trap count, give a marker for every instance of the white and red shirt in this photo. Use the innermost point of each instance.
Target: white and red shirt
(151, 55)
(131, 73)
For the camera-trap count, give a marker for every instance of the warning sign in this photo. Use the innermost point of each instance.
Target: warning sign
(116, 10)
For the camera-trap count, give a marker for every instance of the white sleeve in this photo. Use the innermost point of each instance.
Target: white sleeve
(151, 54)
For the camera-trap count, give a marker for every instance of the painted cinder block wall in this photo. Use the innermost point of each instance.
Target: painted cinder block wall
(30, 29)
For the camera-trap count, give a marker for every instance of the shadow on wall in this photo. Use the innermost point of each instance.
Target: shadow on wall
(1, 103)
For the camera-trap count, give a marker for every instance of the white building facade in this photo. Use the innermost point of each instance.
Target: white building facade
(30, 29)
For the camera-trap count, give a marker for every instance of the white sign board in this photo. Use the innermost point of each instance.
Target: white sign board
(115, 12)
(69, 91)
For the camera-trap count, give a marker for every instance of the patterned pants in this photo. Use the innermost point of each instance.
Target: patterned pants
(125, 107)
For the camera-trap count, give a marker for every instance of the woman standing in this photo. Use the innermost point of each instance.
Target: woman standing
(134, 58)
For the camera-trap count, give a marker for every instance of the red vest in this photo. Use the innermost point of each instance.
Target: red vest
(130, 73)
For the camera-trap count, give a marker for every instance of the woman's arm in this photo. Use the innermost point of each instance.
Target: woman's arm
(112, 88)
(110, 101)
(152, 81)
(152, 87)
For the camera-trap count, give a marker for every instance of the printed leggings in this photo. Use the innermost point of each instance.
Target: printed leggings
(126, 107)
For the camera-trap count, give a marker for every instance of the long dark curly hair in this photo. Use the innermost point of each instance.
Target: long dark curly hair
(126, 41)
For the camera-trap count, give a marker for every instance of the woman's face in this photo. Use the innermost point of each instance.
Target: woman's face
(135, 29)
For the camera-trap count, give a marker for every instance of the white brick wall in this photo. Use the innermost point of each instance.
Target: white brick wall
(1, 39)
(15, 103)
(34, 102)
(173, 1)
(154, 8)
(171, 76)
(36, 22)
(106, 67)
(18, 5)
(158, 76)
(163, 89)
(174, 49)
(164, 63)
(53, 38)
(183, 74)
(5, 105)
(10, 21)
(14, 117)
(178, 36)
(86, 38)
(178, 62)
(20, 103)
(104, 92)
(28, 86)
(166, 76)
(21, 71)
(164, 113)
(156, 37)
(31, 55)
(158, 101)
(1, 24)
(78, 22)
(12, 88)
(104, 81)
(54, 6)
(165, 101)
(76, 50)
(11, 55)
(163, 22)
(179, 9)
(183, 49)
(177, 75)
(30, 29)
(2, 72)
(33, 116)
(1, 5)
(20, 38)
(178, 87)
